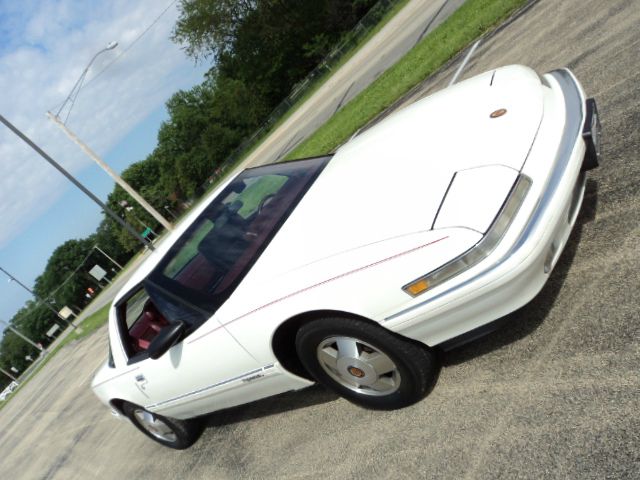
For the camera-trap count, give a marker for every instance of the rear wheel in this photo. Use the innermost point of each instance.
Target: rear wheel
(366, 364)
(170, 432)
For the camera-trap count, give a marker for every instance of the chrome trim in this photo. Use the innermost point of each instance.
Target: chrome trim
(574, 108)
(154, 426)
(211, 387)
(574, 102)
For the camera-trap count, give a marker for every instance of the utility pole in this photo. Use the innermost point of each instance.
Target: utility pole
(102, 252)
(33, 294)
(71, 98)
(73, 180)
(117, 178)
(9, 375)
(23, 337)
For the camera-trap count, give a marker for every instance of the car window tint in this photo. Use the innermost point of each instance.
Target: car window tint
(204, 266)
(258, 190)
(189, 251)
(218, 239)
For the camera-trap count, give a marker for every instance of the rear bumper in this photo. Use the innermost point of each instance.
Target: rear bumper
(518, 269)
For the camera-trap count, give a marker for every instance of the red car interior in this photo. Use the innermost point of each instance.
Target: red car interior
(146, 328)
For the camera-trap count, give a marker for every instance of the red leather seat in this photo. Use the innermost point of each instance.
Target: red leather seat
(147, 327)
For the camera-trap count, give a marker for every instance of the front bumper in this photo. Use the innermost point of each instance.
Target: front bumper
(512, 275)
(591, 133)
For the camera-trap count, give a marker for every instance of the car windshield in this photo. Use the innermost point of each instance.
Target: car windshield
(205, 265)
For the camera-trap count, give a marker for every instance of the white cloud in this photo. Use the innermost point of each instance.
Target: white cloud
(46, 45)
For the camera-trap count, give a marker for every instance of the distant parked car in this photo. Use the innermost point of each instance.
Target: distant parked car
(352, 269)
(8, 391)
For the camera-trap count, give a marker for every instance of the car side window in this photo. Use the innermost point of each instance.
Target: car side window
(141, 321)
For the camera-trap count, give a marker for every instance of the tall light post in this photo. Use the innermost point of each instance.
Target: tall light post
(22, 336)
(55, 118)
(73, 94)
(102, 252)
(75, 181)
(9, 375)
(45, 302)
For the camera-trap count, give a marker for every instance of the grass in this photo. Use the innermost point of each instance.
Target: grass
(315, 85)
(470, 21)
(89, 325)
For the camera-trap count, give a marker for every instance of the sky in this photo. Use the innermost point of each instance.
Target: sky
(44, 47)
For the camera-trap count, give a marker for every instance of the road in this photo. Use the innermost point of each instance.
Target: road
(396, 38)
(554, 394)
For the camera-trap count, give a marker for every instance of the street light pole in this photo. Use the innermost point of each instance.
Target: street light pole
(55, 118)
(73, 94)
(24, 337)
(33, 294)
(9, 375)
(73, 180)
(102, 252)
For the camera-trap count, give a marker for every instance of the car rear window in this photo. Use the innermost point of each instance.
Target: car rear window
(208, 261)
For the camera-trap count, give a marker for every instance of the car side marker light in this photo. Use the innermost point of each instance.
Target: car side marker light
(417, 287)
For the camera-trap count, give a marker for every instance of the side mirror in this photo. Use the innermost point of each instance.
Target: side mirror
(166, 338)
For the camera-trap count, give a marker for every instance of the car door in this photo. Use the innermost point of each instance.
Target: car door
(201, 373)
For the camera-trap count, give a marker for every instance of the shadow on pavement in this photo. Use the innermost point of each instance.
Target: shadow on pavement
(313, 395)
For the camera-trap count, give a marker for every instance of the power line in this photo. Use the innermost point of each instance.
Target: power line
(131, 44)
(157, 19)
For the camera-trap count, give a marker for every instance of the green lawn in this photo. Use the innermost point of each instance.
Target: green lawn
(315, 85)
(470, 21)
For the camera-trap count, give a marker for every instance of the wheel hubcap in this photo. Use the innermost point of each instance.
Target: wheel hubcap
(154, 425)
(358, 366)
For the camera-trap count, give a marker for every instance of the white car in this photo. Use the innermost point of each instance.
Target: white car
(352, 269)
(12, 387)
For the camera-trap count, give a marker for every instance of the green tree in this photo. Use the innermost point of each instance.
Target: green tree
(268, 44)
(207, 28)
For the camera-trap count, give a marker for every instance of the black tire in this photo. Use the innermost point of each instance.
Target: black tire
(365, 363)
(170, 432)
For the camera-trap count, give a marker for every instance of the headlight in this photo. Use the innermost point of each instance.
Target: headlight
(480, 250)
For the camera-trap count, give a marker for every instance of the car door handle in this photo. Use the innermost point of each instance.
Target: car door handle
(141, 383)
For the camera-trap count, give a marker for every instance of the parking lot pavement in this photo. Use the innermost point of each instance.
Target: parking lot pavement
(553, 394)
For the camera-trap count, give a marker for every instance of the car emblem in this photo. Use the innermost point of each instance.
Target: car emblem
(356, 372)
(498, 113)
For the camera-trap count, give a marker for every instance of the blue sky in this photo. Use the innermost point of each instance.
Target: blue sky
(44, 46)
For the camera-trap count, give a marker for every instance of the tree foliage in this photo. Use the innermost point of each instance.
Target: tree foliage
(258, 50)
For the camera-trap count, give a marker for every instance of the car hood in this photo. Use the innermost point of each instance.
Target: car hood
(389, 182)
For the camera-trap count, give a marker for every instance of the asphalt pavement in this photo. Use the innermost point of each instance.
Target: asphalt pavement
(554, 394)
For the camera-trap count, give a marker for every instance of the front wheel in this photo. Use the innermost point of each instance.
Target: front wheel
(366, 364)
(170, 432)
